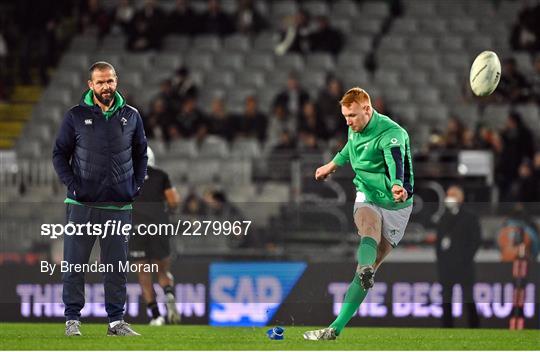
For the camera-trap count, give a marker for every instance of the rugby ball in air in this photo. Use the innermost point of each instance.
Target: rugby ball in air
(485, 73)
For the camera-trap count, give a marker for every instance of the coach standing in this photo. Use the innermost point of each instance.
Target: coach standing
(458, 239)
(100, 155)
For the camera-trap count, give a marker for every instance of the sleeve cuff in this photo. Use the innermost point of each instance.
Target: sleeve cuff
(397, 182)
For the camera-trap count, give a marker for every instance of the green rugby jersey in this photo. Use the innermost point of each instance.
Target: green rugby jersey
(380, 156)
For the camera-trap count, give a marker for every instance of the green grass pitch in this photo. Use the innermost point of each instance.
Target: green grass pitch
(49, 336)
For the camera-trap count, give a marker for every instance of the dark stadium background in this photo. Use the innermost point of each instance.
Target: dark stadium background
(208, 87)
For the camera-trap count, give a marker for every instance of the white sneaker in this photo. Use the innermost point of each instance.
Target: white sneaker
(173, 317)
(322, 334)
(159, 321)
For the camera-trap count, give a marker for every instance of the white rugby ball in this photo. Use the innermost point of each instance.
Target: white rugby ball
(485, 73)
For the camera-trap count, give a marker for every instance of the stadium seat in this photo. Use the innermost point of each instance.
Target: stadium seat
(169, 62)
(83, 43)
(467, 113)
(131, 78)
(458, 62)
(394, 62)
(345, 9)
(419, 7)
(207, 42)
(266, 41)
(451, 43)
(60, 96)
(423, 44)
(183, 148)
(426, 61)
(342, 24)
(432, 25)
(176, 43)
(250, 77)
(114, 43)
(137, 61)
(315, 7)
(370, 26)
(260, 60)
(200, 60)
(320, 61)
(313, 78)
(462, 25)
(395, 96)
(283, 8)
(405, 112)
(246, 148)
(237, 42)
(351, 60)
(524, 61)
(451, 9)
(385, 77)
(403, 26)
(290, 62)
(478, 43)
(75, 61)
(415, 77)
(214, 147)
(65, 78)
(230, 61)
(435, 114)
(426, 96)
(495, 115)
(394, 42)
(375, 9)
(359, 44)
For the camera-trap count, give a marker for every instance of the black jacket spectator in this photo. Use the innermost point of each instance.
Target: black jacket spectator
(247, 18)
(525, 187)
(183, 19)
(215, 21)
(190, 119)
(526, 31)
(326, 38)
(123, 16)
(293, 97)
(219, 122)
(183, 84)
(309, 121)
(252, 123)
(148, 28)
(513, 86)
(329, 108)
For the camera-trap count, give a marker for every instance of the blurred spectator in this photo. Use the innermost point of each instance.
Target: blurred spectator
(148, 28)
(518, 145)
(487, 138)
(526, 31)
(193, 205)
(183, 19)
(279, 121)
(535, 81)
(183, 84)
(308, 143)
(215, 21)
(156, 120)
(296, 37)
(166, 93)
(435, 140)
(217, 205)
(329, 108)
(458, 238)
(123, 16)
(517, 230)
(310, 122)
(252, 123)
(513, 86)
(286, 143)
(190, 120)
(247, 18)
(3, 63)
(36, 37)
(325, 38)
(293, 97)
(219, 121)
(525, 187)
(94, 18)
(454, 137)
(536, 165)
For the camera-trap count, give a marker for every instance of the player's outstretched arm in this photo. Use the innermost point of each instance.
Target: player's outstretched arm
(324, 171)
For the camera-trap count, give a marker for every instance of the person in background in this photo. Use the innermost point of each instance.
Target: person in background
(293, 97)
(458, 237)
(325, 38)
(513, 86)
(247, 18)
(252, 123)
(183, 20)
(157, 198)
(215, 21)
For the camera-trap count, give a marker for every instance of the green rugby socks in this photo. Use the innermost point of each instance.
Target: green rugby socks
(367, 251)
(366, 255)
(353, 298)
